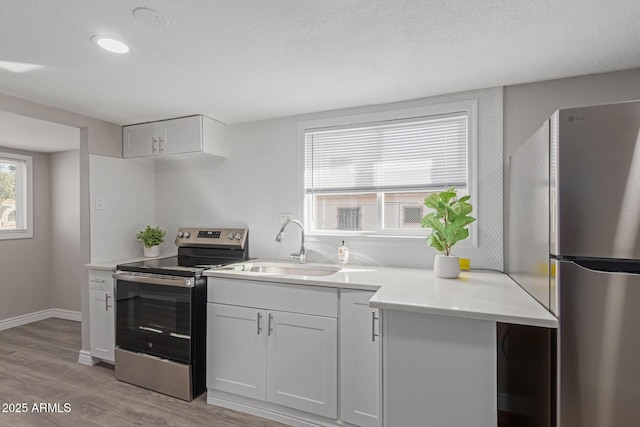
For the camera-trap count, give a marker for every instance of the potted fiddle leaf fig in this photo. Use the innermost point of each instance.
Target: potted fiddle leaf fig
(449, 223)
(151, 238)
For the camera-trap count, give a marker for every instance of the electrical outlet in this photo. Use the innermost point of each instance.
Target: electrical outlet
(99, 203)
(285, 216)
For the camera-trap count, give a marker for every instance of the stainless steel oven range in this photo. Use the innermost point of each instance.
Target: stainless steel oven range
(161, 312)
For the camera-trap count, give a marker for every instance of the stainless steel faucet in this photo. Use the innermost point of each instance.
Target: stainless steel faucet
(302, 254)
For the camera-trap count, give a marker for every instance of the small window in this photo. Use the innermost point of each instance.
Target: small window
(15, 196)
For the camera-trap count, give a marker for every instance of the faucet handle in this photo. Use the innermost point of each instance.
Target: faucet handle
(301, 256)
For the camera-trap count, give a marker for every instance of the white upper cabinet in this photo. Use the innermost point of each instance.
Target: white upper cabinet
(185, 137)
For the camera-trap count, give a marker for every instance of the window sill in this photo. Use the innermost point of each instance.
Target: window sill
(16, 234)
(380, 239)
(365, 235)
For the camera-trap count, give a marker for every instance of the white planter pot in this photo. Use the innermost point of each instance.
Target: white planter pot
(153, 251)
(446, 267)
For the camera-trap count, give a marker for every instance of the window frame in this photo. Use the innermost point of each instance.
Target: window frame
(470, 107)
(26, 201)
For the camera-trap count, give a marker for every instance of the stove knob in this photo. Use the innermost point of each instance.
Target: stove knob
(180, 234)
(230, 236)
(186, 235)
(238, 236)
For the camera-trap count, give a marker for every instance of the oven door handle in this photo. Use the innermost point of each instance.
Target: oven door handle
(183, 282)
(144, 328)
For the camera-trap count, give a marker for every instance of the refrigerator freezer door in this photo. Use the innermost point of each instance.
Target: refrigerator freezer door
(599, 348)
(595, 202)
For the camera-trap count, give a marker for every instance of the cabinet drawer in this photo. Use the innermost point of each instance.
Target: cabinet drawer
(316, 300)
(101, 280)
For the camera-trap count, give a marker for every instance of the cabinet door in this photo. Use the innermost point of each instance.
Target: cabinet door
(181, 135)
(101, 320)
(360, 368)
(302, 362)
(236, 350)
(139, 141)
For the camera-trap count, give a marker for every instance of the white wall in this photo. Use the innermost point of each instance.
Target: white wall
(259, 180)
(128, 190)
(66, 260)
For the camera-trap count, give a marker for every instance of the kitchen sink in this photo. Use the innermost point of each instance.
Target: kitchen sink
(282, 269)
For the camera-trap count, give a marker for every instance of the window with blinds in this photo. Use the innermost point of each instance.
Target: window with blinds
(380, 168)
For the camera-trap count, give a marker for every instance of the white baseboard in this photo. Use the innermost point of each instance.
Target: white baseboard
(270, 411)
(40, 315)
(84, 358)
(60, 313)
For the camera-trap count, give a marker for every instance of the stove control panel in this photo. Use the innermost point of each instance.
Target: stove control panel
(212, 237)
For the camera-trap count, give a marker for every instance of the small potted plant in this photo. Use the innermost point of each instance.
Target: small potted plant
(449, 221)
(151, 238)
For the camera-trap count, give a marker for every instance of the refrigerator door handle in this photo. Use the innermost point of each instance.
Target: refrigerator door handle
(608, 265)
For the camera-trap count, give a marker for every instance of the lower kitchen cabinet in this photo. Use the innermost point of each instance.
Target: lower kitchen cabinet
(236, 350)
(301, 355)
(302, 362)
(360, 360)
(101, 315)
(270, 354)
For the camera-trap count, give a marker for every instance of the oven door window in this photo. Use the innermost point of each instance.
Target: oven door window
(154, 319)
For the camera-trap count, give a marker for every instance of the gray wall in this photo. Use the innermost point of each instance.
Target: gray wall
(96, 137)
(25, 285)
(526, 106)
(66, 260)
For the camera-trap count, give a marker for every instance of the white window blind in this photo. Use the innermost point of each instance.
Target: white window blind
(408, 155)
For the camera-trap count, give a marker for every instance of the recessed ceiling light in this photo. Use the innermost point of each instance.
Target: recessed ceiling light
(112, 45)
(150, 18)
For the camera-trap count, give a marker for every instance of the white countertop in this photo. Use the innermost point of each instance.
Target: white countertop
(485, 295)
(111, 265)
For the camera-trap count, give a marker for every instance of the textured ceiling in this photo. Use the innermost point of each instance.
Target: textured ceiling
(239, 61)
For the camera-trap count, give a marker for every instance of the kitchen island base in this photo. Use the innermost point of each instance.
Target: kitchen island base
(439, 371)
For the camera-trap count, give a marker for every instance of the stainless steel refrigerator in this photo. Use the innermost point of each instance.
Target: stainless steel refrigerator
(574, 245)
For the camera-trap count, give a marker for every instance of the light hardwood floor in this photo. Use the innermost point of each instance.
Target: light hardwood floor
(39, 364)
